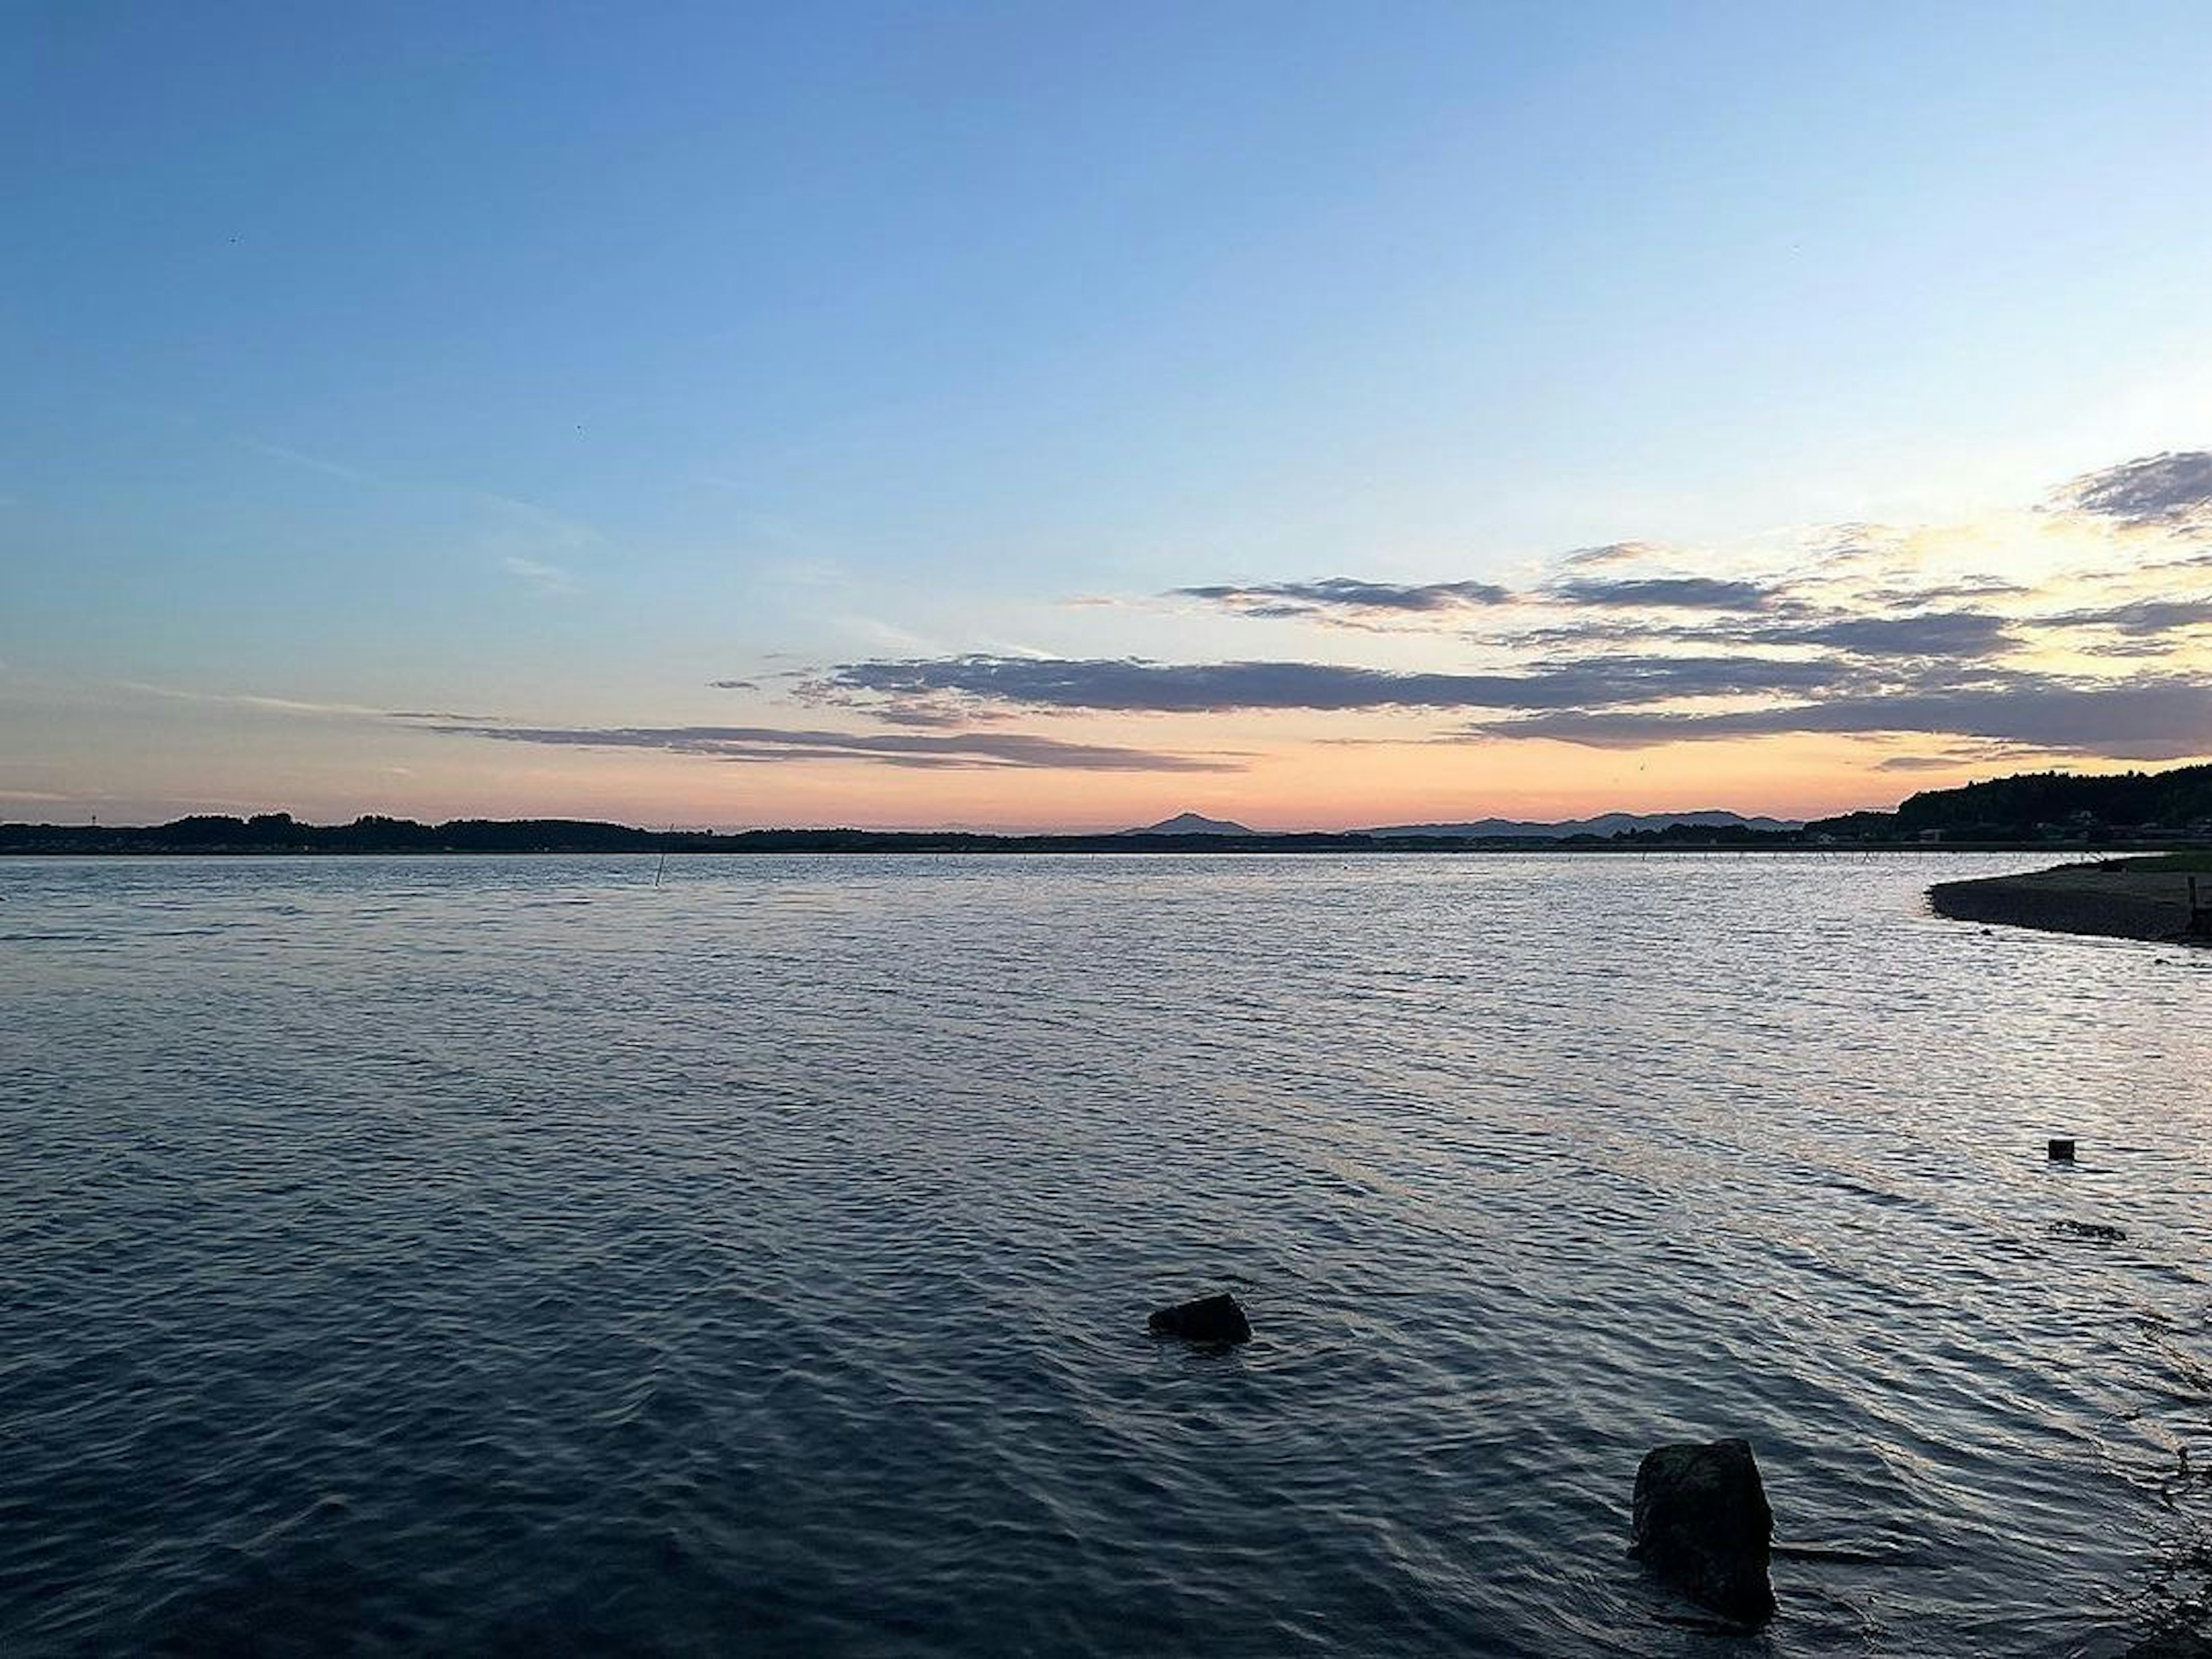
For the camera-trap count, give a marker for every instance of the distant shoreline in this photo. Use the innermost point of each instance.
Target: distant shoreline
(2051, 813)
(277, 835)
(2142, 899)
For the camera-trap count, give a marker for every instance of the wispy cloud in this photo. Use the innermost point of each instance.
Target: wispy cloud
(934, 716)
(549, 579)
(2154, 719)
(541, 524)
(755, 745)
(1134, 685)
(1611, 553)
(1966, 590)
(2145, 617)
(882, 633)
(1952, 759)
(1664, 592)
(1955, 635)
(300, 458)
(2171, 489)
(1357, 601)
(1340, 595)
(247, 699)
(1958, 635)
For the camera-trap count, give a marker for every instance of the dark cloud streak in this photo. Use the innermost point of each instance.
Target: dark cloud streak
(762, 744)
(1950, 634)
(1133, 685)
(1664, 592)
(2144, 618)
(1955, 635)
(2168, 718)
(2174, 488)
(1583, 558)
(1348, 594)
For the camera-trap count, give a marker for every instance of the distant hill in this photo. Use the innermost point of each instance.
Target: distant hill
(2043, 805)
(2128, 808)
(1192, 824)
(1610, 823)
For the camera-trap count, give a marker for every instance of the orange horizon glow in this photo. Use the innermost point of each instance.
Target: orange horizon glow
(1294, 787)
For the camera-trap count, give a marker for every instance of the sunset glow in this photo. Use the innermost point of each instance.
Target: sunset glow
(1026, 424)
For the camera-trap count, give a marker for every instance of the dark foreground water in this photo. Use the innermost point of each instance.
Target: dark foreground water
(461, 1256)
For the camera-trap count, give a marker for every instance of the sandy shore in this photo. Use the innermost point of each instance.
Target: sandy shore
(2080, 898)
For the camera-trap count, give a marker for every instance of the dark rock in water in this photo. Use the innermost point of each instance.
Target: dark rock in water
(1702, 1522)
(2062, 1151)
(1209, 1319)
(2096, 1230)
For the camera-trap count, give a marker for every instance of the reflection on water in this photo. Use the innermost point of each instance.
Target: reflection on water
(445, 1255)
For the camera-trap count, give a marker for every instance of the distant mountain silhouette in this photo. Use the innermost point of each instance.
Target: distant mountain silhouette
(1192, 824)
(2027, 809)
(1610, 823)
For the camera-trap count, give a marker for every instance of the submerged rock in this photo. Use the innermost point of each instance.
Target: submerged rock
(1209, 1319)
(1702, 1522)
(2177, 1643)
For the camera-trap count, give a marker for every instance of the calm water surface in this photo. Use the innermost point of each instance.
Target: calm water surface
(481, 1255)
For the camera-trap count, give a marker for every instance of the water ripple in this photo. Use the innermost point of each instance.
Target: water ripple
(434, 1255)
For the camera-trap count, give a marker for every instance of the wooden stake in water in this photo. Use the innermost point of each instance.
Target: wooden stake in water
(663, 864)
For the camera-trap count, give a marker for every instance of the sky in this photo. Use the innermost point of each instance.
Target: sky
(1036, 416)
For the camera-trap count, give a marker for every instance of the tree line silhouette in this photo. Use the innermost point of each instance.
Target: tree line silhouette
(2028, 807)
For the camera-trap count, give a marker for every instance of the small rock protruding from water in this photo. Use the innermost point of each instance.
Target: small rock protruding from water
(1209, 1319)
(2097, 1230)
(2062, 1151)
(1702, 1522)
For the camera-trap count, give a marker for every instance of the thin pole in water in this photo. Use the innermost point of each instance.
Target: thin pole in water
(663, 864)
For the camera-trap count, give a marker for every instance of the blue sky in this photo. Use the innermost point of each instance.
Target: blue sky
(541, 365)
